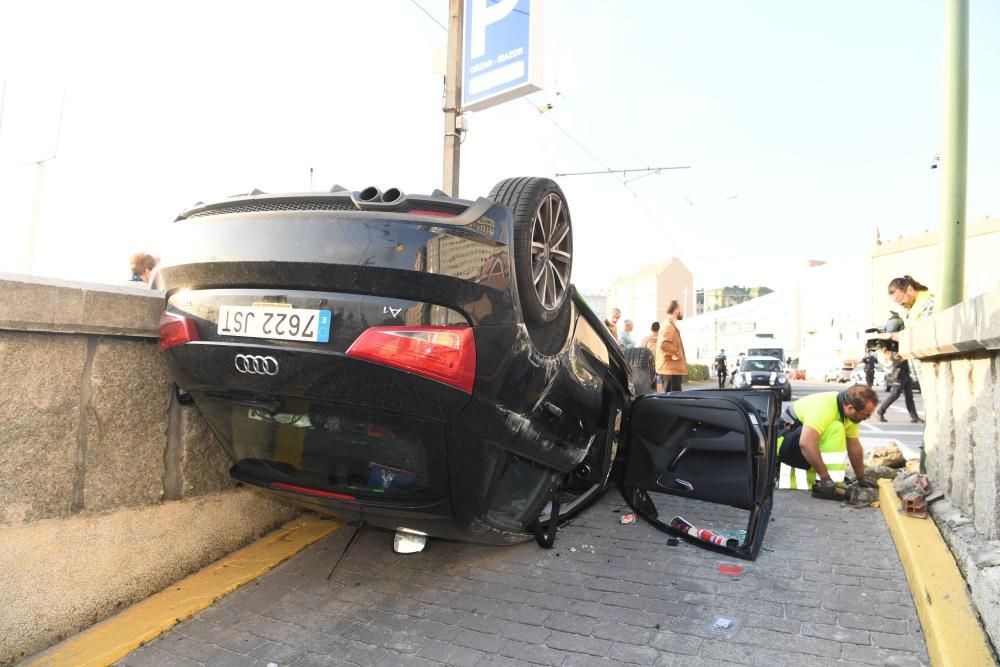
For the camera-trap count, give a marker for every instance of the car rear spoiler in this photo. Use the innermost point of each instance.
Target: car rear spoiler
(440, 212)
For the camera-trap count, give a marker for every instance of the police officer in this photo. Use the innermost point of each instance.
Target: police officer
(869, 362)
(720, 368)
(819, 429)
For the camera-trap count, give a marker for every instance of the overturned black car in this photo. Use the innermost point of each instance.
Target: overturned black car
(423, 363)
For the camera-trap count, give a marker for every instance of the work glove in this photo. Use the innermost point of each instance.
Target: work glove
(827, 489)
(866, 483)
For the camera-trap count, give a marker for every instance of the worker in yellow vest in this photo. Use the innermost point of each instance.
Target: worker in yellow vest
(818, 431)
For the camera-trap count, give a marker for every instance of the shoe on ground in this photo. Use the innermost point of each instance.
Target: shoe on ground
(916, 420)
(881, 417)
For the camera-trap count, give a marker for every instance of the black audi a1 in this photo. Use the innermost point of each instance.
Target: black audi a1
(424, 364)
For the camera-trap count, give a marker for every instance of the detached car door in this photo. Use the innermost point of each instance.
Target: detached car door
(716, 446)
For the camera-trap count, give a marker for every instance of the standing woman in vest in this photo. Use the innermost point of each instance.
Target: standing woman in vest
(917, 302)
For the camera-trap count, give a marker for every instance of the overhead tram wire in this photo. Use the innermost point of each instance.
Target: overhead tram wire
(624, 172)
(429, 15)
(607, 170)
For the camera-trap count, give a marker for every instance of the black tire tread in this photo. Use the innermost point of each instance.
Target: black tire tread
(520, 195)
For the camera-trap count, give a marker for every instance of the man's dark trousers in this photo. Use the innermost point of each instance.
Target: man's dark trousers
(722, 379)
(906, 389)
(870, 378)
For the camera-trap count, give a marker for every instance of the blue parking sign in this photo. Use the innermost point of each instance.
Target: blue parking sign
(502, 53)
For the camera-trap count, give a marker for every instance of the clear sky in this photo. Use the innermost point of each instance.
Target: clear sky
(806, 124)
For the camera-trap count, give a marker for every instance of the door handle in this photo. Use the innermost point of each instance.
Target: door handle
(674, 483)
(677, 459)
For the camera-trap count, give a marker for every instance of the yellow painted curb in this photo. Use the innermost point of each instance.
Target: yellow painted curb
(947, 615)
(119, 635)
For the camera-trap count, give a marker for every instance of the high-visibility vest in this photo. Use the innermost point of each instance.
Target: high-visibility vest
(833, 449)
(797, 478)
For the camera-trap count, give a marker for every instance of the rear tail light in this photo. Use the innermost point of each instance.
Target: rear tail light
(445, 354)
(176, 330)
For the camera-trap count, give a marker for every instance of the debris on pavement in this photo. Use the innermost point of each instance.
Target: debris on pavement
(890, 456)
(862, 496)
(673, 542)
(681, 524)
(912, 488)
(627, 518)
(730, 569)
(881, 472)
(724, 625)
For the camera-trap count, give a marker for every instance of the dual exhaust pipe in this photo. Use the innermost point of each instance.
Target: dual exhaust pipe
(372, 195)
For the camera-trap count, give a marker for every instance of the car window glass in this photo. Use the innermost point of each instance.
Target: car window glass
(762, 365)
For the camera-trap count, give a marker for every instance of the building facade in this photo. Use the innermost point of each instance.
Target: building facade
(643, 297)
(718, 298)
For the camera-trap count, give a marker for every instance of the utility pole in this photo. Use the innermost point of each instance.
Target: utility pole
(452, 99)
(955, 158)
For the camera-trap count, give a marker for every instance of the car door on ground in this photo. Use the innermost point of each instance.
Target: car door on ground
(696, 447)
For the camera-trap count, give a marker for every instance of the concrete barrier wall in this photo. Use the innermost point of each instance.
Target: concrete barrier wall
(109, 489)
(959, 349)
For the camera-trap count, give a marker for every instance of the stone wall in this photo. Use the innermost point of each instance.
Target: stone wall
(109, 489)
(959, 349)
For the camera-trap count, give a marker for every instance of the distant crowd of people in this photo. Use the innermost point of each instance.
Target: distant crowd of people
(666, 348)
(668, 361)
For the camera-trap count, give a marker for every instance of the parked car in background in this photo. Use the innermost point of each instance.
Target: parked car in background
(842, 374)
(764, 373)
(858, 376)
(424, 363)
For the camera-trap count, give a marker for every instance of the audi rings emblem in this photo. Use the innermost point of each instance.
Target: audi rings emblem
(254, 364)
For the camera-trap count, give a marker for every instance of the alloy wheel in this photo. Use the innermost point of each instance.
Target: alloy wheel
(551, 253)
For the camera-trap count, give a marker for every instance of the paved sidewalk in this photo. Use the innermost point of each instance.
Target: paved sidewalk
(828, 590)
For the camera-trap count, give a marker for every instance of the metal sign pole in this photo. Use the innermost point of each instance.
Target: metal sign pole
(452, 98)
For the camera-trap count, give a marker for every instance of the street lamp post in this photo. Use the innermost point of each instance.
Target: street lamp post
(956, 142)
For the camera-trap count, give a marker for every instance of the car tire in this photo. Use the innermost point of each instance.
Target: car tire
(543, 244)
(786, 395)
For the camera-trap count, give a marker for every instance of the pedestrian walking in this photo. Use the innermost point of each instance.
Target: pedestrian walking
(671, 362)
(736, 368)
(902, 383)
(720, 368)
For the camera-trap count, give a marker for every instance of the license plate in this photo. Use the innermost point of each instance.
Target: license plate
(282, 323)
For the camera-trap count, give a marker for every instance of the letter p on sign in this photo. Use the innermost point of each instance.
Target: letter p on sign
(484, 16)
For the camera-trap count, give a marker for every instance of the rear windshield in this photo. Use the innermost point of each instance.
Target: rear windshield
(327, 448)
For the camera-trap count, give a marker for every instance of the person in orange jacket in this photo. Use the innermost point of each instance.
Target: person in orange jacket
(671, 362)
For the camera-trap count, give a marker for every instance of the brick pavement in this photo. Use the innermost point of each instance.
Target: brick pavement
(827, 590)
